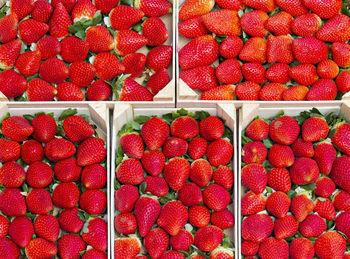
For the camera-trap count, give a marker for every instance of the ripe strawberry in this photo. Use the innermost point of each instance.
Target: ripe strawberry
(9, 53)
(340, 172)
(156, 242)
(21, 8)
(29, 63)
(174, 147)
(77, 129)
(257, 228)
(153, 8)
(66, 195)
(223, 92)
(279, 24)
(281, 156)
(335, 29)
(134, 64)
(301, 207)
(172, 254)
(16, 128)
(254, 177)
(252, 203)
(147, 210)
(106, 5)
(328, 69)
(49, 47)
(279, 49)
(325, 209)
(231, 47)
(32, 151)
(158, 81)
(128, 41)
(30, 30)
(4, 226)
(8, 28)
(93, 202)
(81, 73)
(232, 5)
(343, 82)
(54, 71)
(194, 8)
(68, 91)
(309, 50)
(254, 152)
(47, 227)
(12, 175)
(279, 180)
(95, 234)
(60, 21)
(306, 24)
(201, 172)
(211, 128)
(264, 5)
(70, 246)
(278, 204)
(324, 9)
(39, 175)
(208, 238)
(249, 248)
(121, 21)
(286, 227)
(94, 176)
(153, 162)
(83, 9)
(254, 72)
(94, 254)
(9, 198)
(132, 145)
(295, 93)
(253, 23)
(133, 91)
(9, 150)
(21, 231)
(125, 223)
(44, 128)
(330, 245)
(254, 50)
(201, 78)
(219, 152)
(39, 201)
(324, 187)
(323, 89)
(156, 186)
(67, 170)
(68, 4)
(182, 241)
(91, 151)
(99, 39)
(341, 54)
(40, 247)
(8, 248)
(216, 197)
(107, 66)
(199, 216)
(342, 223)
(42, 11)
(159, 57)
(190, 194)
(302, 148)
(301, 248)
(99, 90)
(74, 49)
(257, 130)
(304, 171)
(272, 92)
(176, 172)
(294, 8)
(223, 176)
(304, 74)
(155, 31)
(70, 221)
(248, 90)
(192, 28)
(229, 71)
(221, 252)
(197, 148)
(274, 248)
(315, 128)
(284, 130)
(184, 127)
(58, 149)
(339, 139)
(154, 133)
(223, 219)
(127, 247)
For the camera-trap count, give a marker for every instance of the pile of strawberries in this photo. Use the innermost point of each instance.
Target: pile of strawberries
(58, 49)
(52, 199)
(173, 197)
(297, 175)
(269, 50)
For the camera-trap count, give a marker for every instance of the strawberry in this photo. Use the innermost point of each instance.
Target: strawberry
(39, 201)
(252, 203)
(74, 49)
(44, 128)
(134, 64)
(133, 91)
(154, 133)
(190, 194)
(272, 92)
(216, 197)
(324, 9)
(172, 254)
(66, 195)
(153, 162)
(223, 22)
(91, 151)
(68, 4)
(67, 170)
(121, 21)
(10, 197)
(99, 39)
(9, 53)
(330, 245)
(93, 202)
(147, 210)
(301, 248)
(201, 172)
(342, 223)
(155, 31)
(77, 129)
(343, 82)
(341, 54)
(174, 147)
(81, 73)
(21, 231)
(248, 91)
(254, 72)
(327, 69)
(195, 8)
(40, 247)
(184, 127)
(264, 5)
(330, 30)
(219, 152)
(294, 8)
(279, 180)
(42, 11)
(16, 128)
(47, 227)
(279, 49)
(323, 89)
(59, 22)
(229, 72)
(254, 177)
(221, 252)
(278, 73)
(340, 137)
(211, 128)
(29, 63)
(254, 152)
(303, 148)
(49, 47)
(156, 242)
(128, 41)
(182, 241)
(197, 148)
(254, 50)
(253, 23)
(286, 227)
(158, 81)
(39, 175)
(127, 247)
(324, 187)
(304, 171)
(340, 172)
(249, 248)
(66, 149)
(309, 50)
(12, 175)
(8, 248)
(223, 219)
(274, 248)
(284, 130)
(95, 234)
(295, 93)
(306, 24)
(125, 223)
(132, 145)
(9, 150)
(156, 186)
(70, 221)
(30, 30)
(232, 5)
(304, 74)
(278, 204)
(94, 254)
(32, 151)
(54, 70)
(176, 172)
(153, 8)
(257, 228)
(193, 55)
(107, 66)
(199, 216)
(83, 9)
(223, 176)
(4, 226)
(70, 246)
(231, 47)
(21, 8)
(281, 156)
(208, 238)
(257, 130)
(94, 176)
(301, 207)
(159, 57)
(223, 92)
(192, 28)
(279, 24)
(325, 209)
(314, 129)
(99, 90)
(8, 28)
(105, 6)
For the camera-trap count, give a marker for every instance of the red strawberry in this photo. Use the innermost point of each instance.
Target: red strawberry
(253, 23)
(39, 175)
(77, 129)
(21, 231)
(279, 24)
(211, 128)
(81, 73)
(190, 194)
(328, 69)
(107, 66)
(192, 28)
(40, 247)
(229, 72)
(39, 201)
(172, 254)
(182, 241)
(342, 223)
(29, 63)
(223, 176)
(68, 4)
(66, 195)
(340, 172)
(216, 197)
(159, 57)
(4, 225)
(94, 176)
(221, 252)
(306, 25)
(219, 152)
(284, 130)
(174, 147)
(232, 5)
(95, 234)
(121, 21)
(343, 82)
(59, 149)
(330, 245)
(156, 242)
(324, 187)
(335, 29)
(301, 207)
(60, 21)
(67, 170)
(324, 9)
(340, 137)
(254, 50)
(125, 223)
(184, 127)
(304, 171)
(132, 145)
(42, 11)
(208, 238)
(197, 148)
(281, 156)
(91, 151)
(223, 219)
(83, 9)
(264, 5)
(274, 248)
(44, 128)
(47, 227)
(32, 151)
(341, 54)
(254, 177)
(272, 92)
(156, 186)
(133, 91)
(254, 152)
(155, 31)
(93, 202)
(279, 49)
(99, 39)
(16, 128)
(254, 72)
(201, 172)
(49, 47)
(70, 246)
(153, 162)
(325, 209)
(223, 92)
(74, 49)
(278, 204)
(278, 73)
(304, 74)
(127, 247)
(199, 216)
(94, 254)
(302, 148)
(295, 93)
(9, 150)
(279, 180)
(106, 5)
(54, 70)
(252, 203)
(40, 90)
(9, 198)
(257, 130)
(153, 8)
(21, 8)
(99, 90)
(8, 28)
(301, 248)
(194, 8)
(154, 133)
(147, 210)
(313, 129)
(30, 30)
(9, 53)
(134, 64)
(176, 172)
(248, 91)
(125, 198)
(257, 228)
(323, 89)
(309, 50)
(249, 248)
(231, 47)
(294, 8)
(128, 41)
(12, 175)
(286, 227)
(158, 81)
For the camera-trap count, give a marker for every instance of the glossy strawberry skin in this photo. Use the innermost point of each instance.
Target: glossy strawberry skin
(32, 151)
(67, 170)
(60, 21)
(21, 231)
(248, 91)
(197, 148)
(257, 228)
(54, 154)
(12, 84)
(81, 73)
(231, 47)
(12, 175)
(252, 203)
(192, 28)
(254, 177)
(21, 8)
(201, 78)
(301, 247)
(44, 128)
(96, 236)
(30, 30)
(154, 133)
(124, 22)
(49, 47)
(128, 41)
(153, 8)
(190, 195)
(69, 220)
(99, 91)
(39, 175)
(216, 197)
(126, 197)
(194, 8)
(341, 54)
(176, 172)
(173, 217)
(16, 128)
(39, 201)
(335, 29)
(70, 246)
(9, 53)
(265, 5)
(54, 70)
(156, 242)
(104, 71)
(146, 211)
(324, 9)
(47, 227)
(9, 150)
(272, 92)
(309, 50)
(314, 129)
(274, 247)
(279, 24)
(159, 57)
(279, 180)
(306, 25)
(91, 151)
(134, 64)
(93, 202)
(254, 50)
(208, 238)
(153, 162)
(66, 195)
(323, 89)
(42, 11)
(8, 28)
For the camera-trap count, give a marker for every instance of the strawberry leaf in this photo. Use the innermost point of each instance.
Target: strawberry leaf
(309, 187)
(142, 188)
(268, 143)
(201, 115)
(116, 184)
(3, 10)
(67, 113)
(97, 18)
(142, 119)
(28, 117)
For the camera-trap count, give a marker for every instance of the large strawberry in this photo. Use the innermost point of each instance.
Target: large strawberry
(156, 186)
(70, 221)
(134, 64)
(279, 24)
(173, 217)
(314, 129)
(9, 53)
(159, 57)
(81, 73)
(153, 8)
(254, 152)
(254, 177)
(67, 170)
(323, 89)
(126, 197)
(324, 187)
(231, 47)
(176, 172)
(30, 30)
(154, 133)
(252, 203)
(66, 195)
(184, 127)
(304, 171)
(123, 17)
(128, 41)
(39, 247)
(49, 47)
(21, 8)
(95, 234)
(278, 204)
(93, 202)
(254, 50)
(192, 28)
(77, 129)
(54, 70)
(195, 8)
(280, 156)
(147, 210)
(155, 31)
(130, 171)
(303, 148)
(156, 242)
(70, 246)
(66, 149)
(335, 29)
(125, 223)
(229, 72)
(216, 197)
(158, 81)
(190, 194)
(284, 130)
(107, 66)
(133, 91)
(182, 241)
(253, 23)
(199, 216)
(279, 49)
(257, 130)
(304, 74)
(94, 176)
(99, 90)
(220, 152)
(39, 175)
(330, 245)
(16, 128)
(301, 248)
(47, 227)
(310, 50)
(306, 25)
(301, 207)
(32, 151)
(8, 248)
(74, 49)
(99, 39)
(222, 22)
(21, 231)
(274, 248)
(286, 227)
(29, 63)
(8, 28)
(254, 72)
(68, 91)
(323, 8)
(91, 151)
(60, 21)
(293, 7)
(208, 238)
(257, 228)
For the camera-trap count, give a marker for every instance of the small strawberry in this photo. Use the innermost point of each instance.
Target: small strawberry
(127, 247)
(301, 248)
(309, 50)
(134, 64)
(153, 8)
(29, 63)
(279, 24)
(327, 69)
(74, 49)
(208, 238)
(254, 177)
(323, 89)
(95, 234)
(67, 170)
(83, 9)
(39, 201)
(253, 23)
(158, 81)
(223, 219)
(60, 21)
(99, 90)
(128, 41)
(39, 175)
(44, 128)
(153, 161)
(32, 151)
(286, 227)
(284, 130)
(47, 227)
(257, 228)
(343, 82)
(301, 207)
(252, 203)
(330, 245)
(9, 150)
(107, 66)
(182, 241)
(254, 152)
(257, 130)
(229, 72)
(147, 210)
(254, 50)
(231, 47)
(21, 231)
(49, 47)
(281, 156)
(91, 151)
(157, 186)
(155, 31)
(279, 180)
(99, 39)
(39, 247)
(248, 91)
(16, 128)
(190, 194)
(42, 11)
(275, 248)
(278, 204)
(9, 53)
(93, 202)
(195, 8)
(125, 223)
(106, 5)
(254, 72)
(21, 8)
(306, 24)
(199, 216)
(30, 30)
(156, 242)
(303, 148)
(12, 175)
(192, 28)
(70, 221)
(159, 57)
(123, 17)
(155, 132)
(8, 28)
(70, 246)
(66, 195)
(314, 129)
(304, 74)
(216, 197)
(54, 71)
(249, 248)
(176, 172)
(341, 54)
(58, 149)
